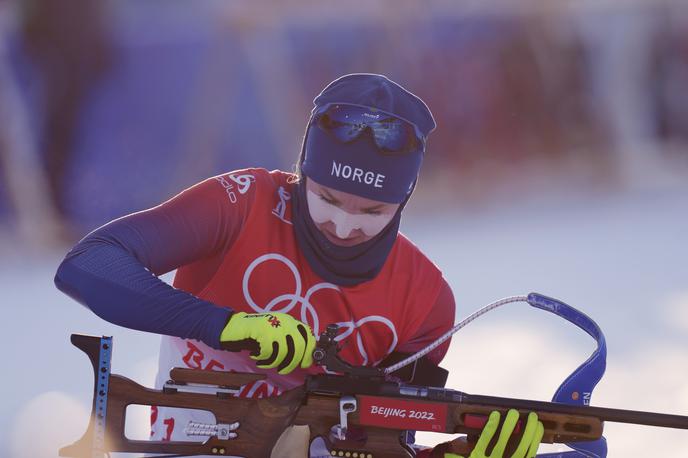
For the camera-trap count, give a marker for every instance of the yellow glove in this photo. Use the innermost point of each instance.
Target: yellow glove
(527, 448)
(277, 340)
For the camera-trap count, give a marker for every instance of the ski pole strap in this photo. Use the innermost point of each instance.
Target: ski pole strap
(577, 388)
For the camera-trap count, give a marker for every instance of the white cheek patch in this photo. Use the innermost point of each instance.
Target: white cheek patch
(345, 222)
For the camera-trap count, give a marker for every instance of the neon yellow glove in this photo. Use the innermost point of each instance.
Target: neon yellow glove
(277, 340)
(527, 448)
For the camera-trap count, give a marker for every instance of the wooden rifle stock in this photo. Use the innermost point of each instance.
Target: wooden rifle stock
(262, 420)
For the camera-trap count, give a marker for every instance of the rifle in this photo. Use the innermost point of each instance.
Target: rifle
(359, 413)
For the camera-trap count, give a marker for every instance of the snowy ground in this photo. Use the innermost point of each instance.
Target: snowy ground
(620, 258)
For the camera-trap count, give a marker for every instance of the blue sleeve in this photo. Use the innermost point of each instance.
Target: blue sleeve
(113, 270)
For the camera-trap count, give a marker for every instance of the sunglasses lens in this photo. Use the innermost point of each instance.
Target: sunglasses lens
(391, 134)
(343, 129)
(395, 135)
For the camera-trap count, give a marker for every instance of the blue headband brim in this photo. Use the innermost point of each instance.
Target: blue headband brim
(359, 168)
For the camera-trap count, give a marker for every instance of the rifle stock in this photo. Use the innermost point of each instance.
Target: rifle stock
(262, 421)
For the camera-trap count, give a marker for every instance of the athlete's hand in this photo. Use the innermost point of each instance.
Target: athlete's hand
(527, 448)
(283, 342)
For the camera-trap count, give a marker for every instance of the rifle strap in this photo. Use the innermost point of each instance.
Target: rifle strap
(577, 388)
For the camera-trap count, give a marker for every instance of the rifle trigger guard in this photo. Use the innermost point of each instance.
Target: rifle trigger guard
(347, 405)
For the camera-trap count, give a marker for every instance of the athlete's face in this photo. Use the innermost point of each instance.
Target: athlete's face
(346, 219)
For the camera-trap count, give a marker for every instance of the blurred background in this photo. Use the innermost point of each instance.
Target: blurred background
(559, 165)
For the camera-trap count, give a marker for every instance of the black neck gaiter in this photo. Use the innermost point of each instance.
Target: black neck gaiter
(343, 266)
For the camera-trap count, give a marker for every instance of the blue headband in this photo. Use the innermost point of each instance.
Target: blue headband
(358, 167)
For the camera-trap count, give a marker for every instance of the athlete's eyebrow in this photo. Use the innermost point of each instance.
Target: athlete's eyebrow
(374, 208)
(336, 201)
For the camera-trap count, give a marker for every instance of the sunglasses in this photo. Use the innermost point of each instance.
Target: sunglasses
(392, 135)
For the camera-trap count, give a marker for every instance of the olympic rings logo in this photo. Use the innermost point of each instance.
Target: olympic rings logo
(308, 314)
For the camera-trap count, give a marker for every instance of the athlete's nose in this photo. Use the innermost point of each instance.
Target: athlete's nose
(344, 225)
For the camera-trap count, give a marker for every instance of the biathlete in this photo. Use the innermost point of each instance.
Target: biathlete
(267, 259)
